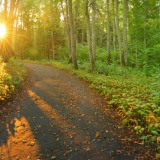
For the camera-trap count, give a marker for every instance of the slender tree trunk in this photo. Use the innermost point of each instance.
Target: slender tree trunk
(118, 32)
(12, 16)
(125, 15)
(101, 38)
(45, 43)
(15, 31)
(68, 32)
(91, 57)
(114, 26)
(93, 28)
(76, 27)
(67, 29)
(52, 35)
(5, 16)
(73, 38)
(108, 34)
(53, 45)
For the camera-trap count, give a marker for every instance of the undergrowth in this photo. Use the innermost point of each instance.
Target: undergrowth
(11, 77)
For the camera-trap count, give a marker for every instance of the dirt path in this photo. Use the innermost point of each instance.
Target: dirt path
(60, 118)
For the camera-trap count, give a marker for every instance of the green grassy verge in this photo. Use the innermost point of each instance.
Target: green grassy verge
(135, 96)
(11, 77)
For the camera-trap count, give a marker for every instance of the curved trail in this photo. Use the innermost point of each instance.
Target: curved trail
(61, 118)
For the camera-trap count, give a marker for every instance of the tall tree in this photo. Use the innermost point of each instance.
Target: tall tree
(114, 25)
(108, 33)
(118, 32)
(89, 35)
(93, 2)
(52, 29)
(67, 28)
(125, 50)
(72, 32)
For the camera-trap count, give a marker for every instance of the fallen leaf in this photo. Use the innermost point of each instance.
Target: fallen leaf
(54, 157)
(18, 108)
(97, 134)
(78, 143)
(24, 141)
(32, 143)
(158, 139)
(88, 148)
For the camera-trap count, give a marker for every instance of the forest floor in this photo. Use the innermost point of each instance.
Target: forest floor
(57, 116)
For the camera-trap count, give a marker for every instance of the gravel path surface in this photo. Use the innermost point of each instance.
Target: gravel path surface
(59, 117)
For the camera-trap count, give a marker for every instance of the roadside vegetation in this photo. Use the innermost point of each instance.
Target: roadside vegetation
(11, 77)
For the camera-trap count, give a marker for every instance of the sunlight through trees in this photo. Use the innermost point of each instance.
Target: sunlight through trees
(2, 30)
(127, 31)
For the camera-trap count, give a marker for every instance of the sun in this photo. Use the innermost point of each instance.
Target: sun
(2, 30)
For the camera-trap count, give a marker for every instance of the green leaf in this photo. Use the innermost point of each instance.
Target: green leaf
(155, 133)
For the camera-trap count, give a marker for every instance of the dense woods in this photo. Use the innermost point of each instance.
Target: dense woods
(111, 31)
(110, 37)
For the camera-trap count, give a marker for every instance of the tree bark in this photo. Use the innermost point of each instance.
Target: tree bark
(118, 32)
(114, 26)
(108, 34)
(73, 38)
(76, 19)
(67, 29)
(89, 40)
(93, 28)
(125, 15)
(83, 35)
(52, 35)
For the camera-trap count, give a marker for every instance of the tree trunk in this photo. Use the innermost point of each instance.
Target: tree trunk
(53, 45)
(125, 14)
(52, 35)
(91, 57)
(73, 38)
(76, 25)
(93, 28)
(11, 19)
(118, 32)
(67, 29)
(114, 26)
(108, 34)
(101, 34)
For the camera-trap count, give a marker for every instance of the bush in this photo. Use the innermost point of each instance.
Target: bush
(11, 77)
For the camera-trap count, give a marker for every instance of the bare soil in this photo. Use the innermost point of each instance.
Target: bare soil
(57, 116)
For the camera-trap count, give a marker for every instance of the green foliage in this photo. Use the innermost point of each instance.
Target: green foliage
(11, 77)
(62, 53)
(82, 53)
